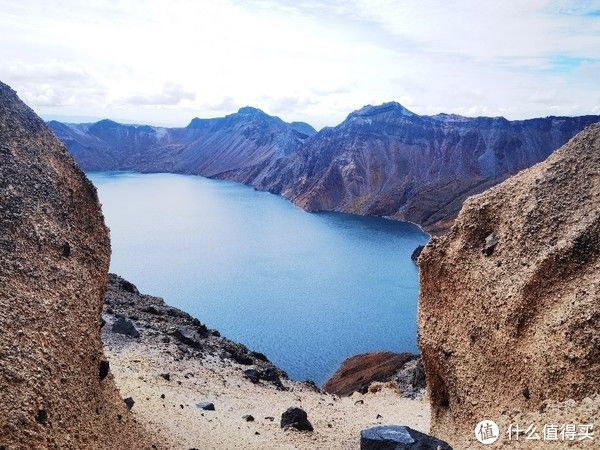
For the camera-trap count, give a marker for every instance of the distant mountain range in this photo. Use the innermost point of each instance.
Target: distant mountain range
(382, 160)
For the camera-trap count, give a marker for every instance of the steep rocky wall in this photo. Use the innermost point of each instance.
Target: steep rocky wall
(55, 390)
(510, 328)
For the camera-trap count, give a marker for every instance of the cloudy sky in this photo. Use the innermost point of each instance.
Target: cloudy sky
(164, 62)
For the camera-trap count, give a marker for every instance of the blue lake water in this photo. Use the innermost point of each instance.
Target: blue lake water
(308, 290)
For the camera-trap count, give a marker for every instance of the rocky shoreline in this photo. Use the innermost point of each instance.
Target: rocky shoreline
(198, 389)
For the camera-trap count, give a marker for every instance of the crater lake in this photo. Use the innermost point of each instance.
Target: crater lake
(305, 289)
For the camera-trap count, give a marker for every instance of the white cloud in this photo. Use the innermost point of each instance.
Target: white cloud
(306, 60)
(171, 94)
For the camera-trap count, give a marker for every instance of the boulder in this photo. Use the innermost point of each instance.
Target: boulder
(509, 302)
(187, 336)
(297, 419)
(416, 253)
(55, 391)
(125, 327)
(396, 437)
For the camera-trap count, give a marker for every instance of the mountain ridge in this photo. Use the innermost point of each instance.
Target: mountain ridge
(382, 160)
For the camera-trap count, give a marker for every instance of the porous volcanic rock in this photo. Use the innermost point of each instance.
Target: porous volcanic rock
(505, 333)
(54, 254)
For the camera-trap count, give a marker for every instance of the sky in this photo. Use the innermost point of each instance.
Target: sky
(165, 62)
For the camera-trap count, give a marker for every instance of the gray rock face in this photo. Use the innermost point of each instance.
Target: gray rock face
(382, 160)
(396, 437)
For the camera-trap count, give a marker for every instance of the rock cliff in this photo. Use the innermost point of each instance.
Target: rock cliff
(56, 390)
(382, 160)
(387, 161)
(510, 300)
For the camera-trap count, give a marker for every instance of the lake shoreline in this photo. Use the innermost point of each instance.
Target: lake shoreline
(227, 255)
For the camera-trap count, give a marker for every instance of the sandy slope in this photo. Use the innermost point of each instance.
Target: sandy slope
(213, 370)
(337, 421)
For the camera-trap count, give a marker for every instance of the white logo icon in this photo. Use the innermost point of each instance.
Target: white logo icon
(487, 432)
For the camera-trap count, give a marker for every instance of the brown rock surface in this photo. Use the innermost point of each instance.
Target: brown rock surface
(358, 372)
(54, 254)
(506, 332)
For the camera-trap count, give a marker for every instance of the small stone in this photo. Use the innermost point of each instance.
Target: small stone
(295, 418)
(359, 402)
(270, 418)
(129, 402)
(125, 327)
(166, 376)
(248, 418)
(206, 406)
(162, 396)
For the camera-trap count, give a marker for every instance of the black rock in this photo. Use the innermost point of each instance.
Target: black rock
(253, 375)
(152, 310)
(248, 418)
(206, 406)
(129, 402)
(396, 437)
(187, 337)
(416, 253)
(126, 327)
(104, 367)
(128, 287)
(296, 418)
(242, 358)
(166, 376)
(260, 356)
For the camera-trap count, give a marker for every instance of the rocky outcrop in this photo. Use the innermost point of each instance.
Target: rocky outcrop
(387, 161)
(358, 373)
(208, 147)
(157, 325)
(510, 300)
(56, 390)
(382, 160)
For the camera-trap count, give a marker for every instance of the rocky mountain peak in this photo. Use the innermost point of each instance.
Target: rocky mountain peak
(251, 111)
(389, 108)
